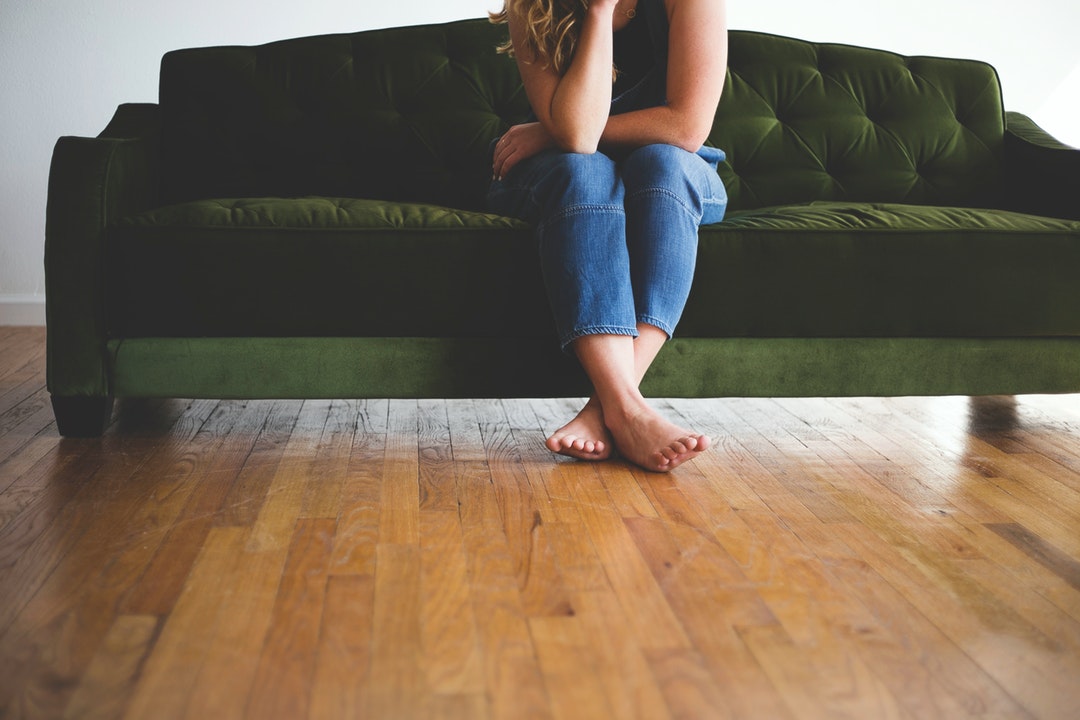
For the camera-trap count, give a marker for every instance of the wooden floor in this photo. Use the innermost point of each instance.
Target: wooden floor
(864, 558)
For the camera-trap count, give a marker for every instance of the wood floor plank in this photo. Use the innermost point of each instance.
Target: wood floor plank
(217, 455)
(106, 687)
(530, 520)
(526, 511)
(15, 338)
(457, 707)
(652, 621)
(465, 435)
(330, 467)
(247, 492)
(358, 523)
(400, 492)
(1014, 475)
(22, 359)
(1029, 604)
(1062, 565)
(1031, 511)
(1026, 568)
(26, 419)
(294, 473)
(690, 691)
(512, 675)
(625, 675)
(450, 655)
(222, 684)
(398, 686)
(25, 472)
(172, 668)
(343, 668)
(577, 566)
(570, 668)
(436, 457)
(283, 679)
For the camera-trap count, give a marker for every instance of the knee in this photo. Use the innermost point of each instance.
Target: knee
(661, 166)
(574, 179)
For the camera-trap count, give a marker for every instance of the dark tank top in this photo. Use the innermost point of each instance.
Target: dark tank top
(640, 55)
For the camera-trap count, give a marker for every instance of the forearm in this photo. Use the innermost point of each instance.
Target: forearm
(581, 101)
(662, 124)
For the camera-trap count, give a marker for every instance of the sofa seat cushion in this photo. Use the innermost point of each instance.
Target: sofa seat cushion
(324, 267)
(831, 269)
(327, 267)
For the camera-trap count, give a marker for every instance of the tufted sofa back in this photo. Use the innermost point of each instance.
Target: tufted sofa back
(803, 121)
(396, 114)
(407, 114)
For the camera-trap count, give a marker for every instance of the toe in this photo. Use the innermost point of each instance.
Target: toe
(676, 450)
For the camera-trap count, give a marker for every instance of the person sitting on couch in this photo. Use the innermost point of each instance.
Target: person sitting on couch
(614, 176)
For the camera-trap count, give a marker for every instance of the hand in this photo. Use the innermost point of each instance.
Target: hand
(519, 143)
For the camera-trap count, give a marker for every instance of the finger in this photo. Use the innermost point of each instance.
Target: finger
(509, 163)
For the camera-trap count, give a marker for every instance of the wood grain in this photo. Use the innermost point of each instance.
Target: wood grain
(827, 557)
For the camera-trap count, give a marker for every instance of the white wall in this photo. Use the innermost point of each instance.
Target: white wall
(66, 64)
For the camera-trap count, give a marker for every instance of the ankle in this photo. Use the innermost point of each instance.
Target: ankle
(627, 409)
(593, 403)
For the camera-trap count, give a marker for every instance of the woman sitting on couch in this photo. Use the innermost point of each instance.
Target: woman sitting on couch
(613, 174)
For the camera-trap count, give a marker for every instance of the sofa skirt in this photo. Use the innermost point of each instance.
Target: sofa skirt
(687, 367)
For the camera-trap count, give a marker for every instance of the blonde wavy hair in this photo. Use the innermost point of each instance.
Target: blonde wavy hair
(551, 28)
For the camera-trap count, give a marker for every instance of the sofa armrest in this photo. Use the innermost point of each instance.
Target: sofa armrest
(92, 182)
(1042, 174)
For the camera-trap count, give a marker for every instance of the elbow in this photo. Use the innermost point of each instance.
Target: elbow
(692, 137)
(690, 129)
(575, 137)
(581, 148)
(577, 142)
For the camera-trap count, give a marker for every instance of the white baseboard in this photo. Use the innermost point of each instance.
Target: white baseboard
(22, 310)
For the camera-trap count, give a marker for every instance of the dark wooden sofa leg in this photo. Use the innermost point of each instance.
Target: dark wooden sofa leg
(82, 416)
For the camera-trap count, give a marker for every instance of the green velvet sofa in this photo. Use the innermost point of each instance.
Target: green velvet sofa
(305, 219)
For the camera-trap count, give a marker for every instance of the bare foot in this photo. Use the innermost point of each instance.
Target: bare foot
(644, 437)
(585, 437)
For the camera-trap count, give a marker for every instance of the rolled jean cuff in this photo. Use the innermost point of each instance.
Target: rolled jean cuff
(657, 323)
(596, 330)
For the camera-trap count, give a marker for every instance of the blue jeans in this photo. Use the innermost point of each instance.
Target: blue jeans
(617, 237)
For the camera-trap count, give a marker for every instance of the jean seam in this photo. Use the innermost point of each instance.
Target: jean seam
(581, 210)
(598, 330)
(663, 191)
(656, 322)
